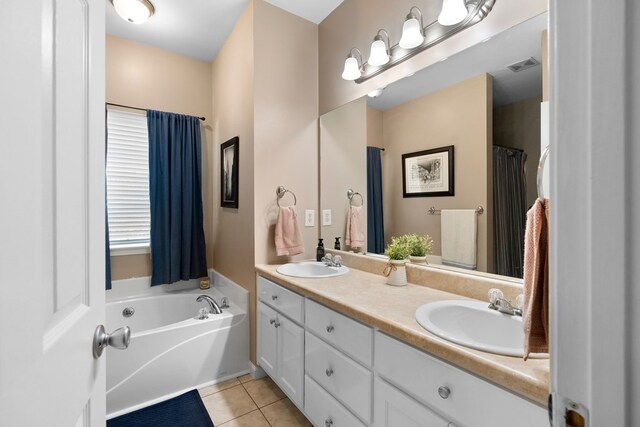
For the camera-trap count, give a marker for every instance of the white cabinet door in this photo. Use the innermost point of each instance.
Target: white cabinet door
(267, 340)
(395, 409)
(52, 258)
(290, 356)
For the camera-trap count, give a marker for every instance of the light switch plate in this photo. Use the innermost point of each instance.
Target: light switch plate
(309, 218)
(326, 216)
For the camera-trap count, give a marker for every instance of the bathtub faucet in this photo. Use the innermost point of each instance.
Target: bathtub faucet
(213, 305)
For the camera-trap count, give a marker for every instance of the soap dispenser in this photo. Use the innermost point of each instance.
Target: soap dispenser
(320, 251)
(336, 245)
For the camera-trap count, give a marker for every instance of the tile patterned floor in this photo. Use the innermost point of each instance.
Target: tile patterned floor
(245, 402)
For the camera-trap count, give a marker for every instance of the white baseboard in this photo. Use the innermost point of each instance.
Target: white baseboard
(256, 372)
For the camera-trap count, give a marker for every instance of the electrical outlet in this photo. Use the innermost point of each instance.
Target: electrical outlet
(326, 217)
(309, 218)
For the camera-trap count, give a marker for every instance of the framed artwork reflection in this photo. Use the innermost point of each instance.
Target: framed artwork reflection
(428, 173)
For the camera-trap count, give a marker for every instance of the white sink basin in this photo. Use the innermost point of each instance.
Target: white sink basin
(311, 270)
(472, 324)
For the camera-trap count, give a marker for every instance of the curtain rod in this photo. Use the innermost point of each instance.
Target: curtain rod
(136, 108)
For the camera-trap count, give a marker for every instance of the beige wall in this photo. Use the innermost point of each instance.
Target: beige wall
(374, 128)
(233, 91)
(459, 115)
(355, 22)
(343, 160)
(286, 123)
(517, 125)
(147, 77)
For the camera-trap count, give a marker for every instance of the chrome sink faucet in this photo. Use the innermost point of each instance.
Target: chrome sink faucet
(499, 303)
(331, 261)
(213, 305)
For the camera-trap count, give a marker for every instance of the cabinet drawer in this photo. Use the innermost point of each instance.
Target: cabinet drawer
(344, 333)
(470, 400)
(345, 379)
(394, 408)
(323, 410)
(286, 302)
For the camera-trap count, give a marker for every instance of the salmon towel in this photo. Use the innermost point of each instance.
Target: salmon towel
(535, 317)
(288, 236)
(355, 227)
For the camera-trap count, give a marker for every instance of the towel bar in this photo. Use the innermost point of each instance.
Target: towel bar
(281, 191)
(433, 211)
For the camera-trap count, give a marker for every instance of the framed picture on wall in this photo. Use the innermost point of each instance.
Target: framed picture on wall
(229, 160)
(428, 173)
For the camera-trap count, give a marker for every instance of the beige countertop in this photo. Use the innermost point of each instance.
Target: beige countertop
(365, 297)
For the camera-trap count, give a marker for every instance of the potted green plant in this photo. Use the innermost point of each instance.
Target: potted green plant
(397, 251)
(419, 247)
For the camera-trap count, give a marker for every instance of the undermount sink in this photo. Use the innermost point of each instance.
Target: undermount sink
(311, 270)
(472, 324)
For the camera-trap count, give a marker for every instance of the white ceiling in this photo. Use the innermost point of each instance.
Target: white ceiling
(492, 56)
(199, 28)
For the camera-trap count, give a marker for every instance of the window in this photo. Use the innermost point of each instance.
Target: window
(128, 180)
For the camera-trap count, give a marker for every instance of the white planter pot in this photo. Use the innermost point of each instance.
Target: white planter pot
(398, 275)
(418, 259)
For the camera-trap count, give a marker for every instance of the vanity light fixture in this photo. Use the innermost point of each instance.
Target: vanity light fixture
(456, 16)
(453, 12)
(134, 11)
(412, 30)
(353, 67)
(380, 52)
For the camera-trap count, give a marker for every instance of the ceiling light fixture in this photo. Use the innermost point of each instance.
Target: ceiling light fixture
(353, 66)
(456, 16)
(453, 12)
(412, 30)
(380, 52)
(134, 11)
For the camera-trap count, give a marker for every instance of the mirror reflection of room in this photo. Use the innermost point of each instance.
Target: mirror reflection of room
(485, 102)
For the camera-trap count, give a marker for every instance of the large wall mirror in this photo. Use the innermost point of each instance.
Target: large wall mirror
(480, 103)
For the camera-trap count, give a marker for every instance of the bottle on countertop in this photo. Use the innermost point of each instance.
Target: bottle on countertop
(337, 244)
(320, 251)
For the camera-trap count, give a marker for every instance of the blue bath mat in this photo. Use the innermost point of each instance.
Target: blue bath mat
(186, 410)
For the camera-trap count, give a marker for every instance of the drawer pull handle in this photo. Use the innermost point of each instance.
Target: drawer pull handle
(329, 372)
(330, 328)
(272, 321)
(274, 297)
(328, 422)
(277, 324)
(444, 392)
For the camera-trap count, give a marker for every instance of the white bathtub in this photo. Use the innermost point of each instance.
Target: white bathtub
(171, 351)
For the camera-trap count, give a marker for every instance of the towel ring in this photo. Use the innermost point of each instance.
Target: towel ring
(543, 161)
(351, 194)
(281, 191)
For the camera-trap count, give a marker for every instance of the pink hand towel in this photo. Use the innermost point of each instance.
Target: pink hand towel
(288, 235)
(355, 227)
(535, 317)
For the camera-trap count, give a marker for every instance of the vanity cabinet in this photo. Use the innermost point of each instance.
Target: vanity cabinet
(353, 375)
(281, 340)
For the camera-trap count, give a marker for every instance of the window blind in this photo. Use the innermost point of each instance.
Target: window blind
(127, 178)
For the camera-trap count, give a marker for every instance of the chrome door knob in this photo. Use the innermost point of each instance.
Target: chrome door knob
(328, 422)
(274, 297)
(277, 324)
(272, 321)
(444, 392)
(329, 372)
(119, 339)
(330, 328)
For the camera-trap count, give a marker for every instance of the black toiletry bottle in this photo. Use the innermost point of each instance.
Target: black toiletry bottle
(320, 251)
(337, 244)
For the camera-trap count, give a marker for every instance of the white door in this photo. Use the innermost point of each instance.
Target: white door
(267, 339)
(290, 359)
(51, 212)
